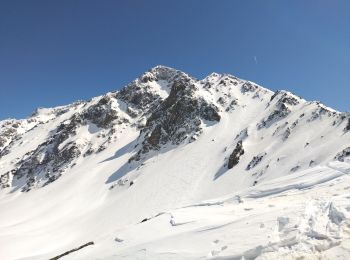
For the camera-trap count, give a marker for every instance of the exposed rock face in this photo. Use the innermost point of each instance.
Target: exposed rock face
(285, 98)
(343, 154)
(8, 132)
(235, 155)
(4, 180)
(141, 97)
(177, 119)
(319, 112)
(101, 114)
(281, 109)
(295, 169)
(282, 112)
(285, 101)
(286, 134)
(255, 161)
(248, 87)
(47, 162)
(347, 128)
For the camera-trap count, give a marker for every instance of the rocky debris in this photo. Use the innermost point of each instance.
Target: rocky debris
(279, 128)
(89, 151)
(317, 114)
(343, 154)
(296, 168)
(119, 240)
(228, 102)
(232, 105)
(255, 161)
(286, 134)
(294, 124)
(235, 155)
(242, 135)
(261, 172)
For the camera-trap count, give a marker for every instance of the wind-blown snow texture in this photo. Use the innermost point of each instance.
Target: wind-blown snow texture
(171, 167)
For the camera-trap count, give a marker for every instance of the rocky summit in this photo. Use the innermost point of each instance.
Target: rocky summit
(186, 163)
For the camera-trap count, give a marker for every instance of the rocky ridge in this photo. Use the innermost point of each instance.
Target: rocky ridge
(170, 108)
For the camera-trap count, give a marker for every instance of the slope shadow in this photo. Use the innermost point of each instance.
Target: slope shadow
(222, 170)
(130, 166)
(126, 167)
(128, 148)
(122, 171)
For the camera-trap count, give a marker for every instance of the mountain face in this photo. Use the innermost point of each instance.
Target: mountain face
(164, 141)
(170, 109)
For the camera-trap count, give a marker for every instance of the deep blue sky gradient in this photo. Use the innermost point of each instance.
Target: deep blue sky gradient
(55, 52)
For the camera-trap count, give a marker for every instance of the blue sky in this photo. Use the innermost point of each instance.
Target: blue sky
(55, 52)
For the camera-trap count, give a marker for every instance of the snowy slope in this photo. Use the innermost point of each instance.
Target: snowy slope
(171, 167)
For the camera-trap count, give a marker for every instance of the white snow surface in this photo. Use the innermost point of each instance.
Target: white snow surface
(183, 202)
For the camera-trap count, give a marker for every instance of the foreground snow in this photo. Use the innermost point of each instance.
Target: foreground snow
(301, 215)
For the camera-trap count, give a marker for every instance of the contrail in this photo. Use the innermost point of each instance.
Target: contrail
(256, 60)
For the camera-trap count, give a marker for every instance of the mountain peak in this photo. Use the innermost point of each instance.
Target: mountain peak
(158, 148)
(159, 73)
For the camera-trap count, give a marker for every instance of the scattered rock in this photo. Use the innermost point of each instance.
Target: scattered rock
(255, 161)
(296, 168)
(235, 155)
(343, 154)
(347, 128)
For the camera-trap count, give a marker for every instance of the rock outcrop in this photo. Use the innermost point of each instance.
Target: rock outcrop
(235, 155)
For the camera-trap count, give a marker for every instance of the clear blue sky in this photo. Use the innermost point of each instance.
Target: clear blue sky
(55, 52)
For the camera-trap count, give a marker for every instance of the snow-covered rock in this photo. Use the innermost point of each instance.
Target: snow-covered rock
(171, 167)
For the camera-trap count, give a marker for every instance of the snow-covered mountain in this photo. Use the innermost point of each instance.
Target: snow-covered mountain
(171, 167)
